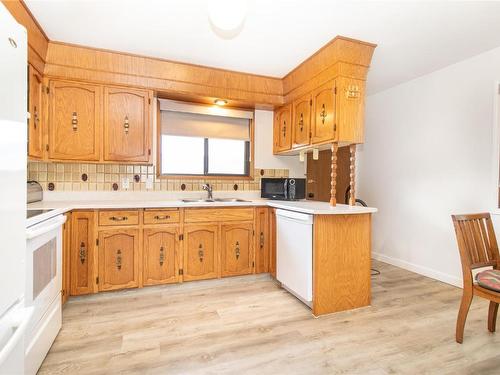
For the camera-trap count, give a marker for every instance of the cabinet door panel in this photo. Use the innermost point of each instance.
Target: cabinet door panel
(237, 249)
(82, 252)
(302, 121)
(283, 129)
(351, 109)
(35, 130)
(118, 259)
(160, 264)
(126, 125)
(324, 126)
(75, 121)
(200, 252)
(262, 240)
(272, 235)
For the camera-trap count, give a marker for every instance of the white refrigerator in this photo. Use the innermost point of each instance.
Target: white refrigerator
(14, 317)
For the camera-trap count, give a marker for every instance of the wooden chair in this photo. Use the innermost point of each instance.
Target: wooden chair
(478, 248)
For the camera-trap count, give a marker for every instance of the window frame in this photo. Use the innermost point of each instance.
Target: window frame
(249, 151)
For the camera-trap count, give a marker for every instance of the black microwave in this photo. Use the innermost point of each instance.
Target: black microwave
(283, 188)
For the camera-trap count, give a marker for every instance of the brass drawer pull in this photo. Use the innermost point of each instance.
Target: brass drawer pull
(323, 114)
(200, 252)
(118, 218)
(164, 217)
(301, 122)
(162, 255)
(119, 259)
(74, 121)
(83, 252)
(284, 129)
(126, 125)
(261, 240)
(237, 250)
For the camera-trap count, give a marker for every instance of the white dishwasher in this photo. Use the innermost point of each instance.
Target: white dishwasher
(294, 253)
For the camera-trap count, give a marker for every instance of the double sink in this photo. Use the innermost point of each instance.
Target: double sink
(214, 200)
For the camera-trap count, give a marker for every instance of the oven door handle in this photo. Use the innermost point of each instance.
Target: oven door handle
(47, 227)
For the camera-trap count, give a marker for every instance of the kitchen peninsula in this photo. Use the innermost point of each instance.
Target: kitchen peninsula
(207, 240)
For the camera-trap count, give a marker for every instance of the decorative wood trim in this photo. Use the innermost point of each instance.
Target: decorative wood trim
(352, 175)
(333, 191)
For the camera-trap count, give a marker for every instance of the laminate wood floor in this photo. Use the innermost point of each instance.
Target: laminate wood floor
(249, 325)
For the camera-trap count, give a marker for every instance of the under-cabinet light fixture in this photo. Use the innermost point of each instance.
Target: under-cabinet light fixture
(220, 102)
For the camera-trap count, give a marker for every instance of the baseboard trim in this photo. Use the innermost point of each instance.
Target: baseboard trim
(424, 271)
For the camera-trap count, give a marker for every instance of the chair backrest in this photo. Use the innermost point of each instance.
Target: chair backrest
(476, 241)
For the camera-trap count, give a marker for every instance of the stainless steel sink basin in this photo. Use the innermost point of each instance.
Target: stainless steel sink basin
(230, 200)
(213, 200)
(197, 200)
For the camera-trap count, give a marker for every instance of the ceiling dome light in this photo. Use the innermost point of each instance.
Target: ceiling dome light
(227, 17)
(220, 102)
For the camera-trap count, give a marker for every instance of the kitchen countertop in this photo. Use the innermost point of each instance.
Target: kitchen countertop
(308, 207)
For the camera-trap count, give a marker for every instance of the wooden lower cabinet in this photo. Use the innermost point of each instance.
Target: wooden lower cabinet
(160, 263)
(272, 238)
(118, 259)
(236, 249)
(82, 253)
(262, 240)
(200, 255)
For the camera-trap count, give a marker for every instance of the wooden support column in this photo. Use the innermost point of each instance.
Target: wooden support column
(352, 175)
(333, 191)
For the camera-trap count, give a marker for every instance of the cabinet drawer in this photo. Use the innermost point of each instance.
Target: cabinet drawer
(129, 217)
(161, 216)
(197, 215)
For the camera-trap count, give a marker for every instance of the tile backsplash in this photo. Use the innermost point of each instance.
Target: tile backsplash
(102, 177)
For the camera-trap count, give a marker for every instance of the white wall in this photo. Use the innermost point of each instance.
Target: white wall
(264, 157)
(429, 153)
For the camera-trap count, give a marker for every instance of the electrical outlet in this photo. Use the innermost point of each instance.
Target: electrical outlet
(125, 183)
(149, 183)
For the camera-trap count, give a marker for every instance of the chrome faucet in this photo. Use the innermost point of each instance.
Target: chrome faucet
(208, 188)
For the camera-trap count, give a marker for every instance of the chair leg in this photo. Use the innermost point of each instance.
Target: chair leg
(462, 316)
(492, 316)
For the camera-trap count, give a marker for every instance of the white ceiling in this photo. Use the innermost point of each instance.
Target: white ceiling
(414, 38)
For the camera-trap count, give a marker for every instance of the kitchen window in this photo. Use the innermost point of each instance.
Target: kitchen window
(201, 144)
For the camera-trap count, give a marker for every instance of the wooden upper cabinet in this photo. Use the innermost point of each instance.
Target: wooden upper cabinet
(350, 101)
(301, 131)
(262, 239)
(82, 253)
(200, 259)
(236, 249)
(35, 123)
(127, 131)
(118, 259)
(282, 133)
(74, 121)
(324, 127)
(161, 255)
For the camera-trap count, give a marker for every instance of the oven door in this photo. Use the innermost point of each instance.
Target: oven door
(43, 261)
(273, 188)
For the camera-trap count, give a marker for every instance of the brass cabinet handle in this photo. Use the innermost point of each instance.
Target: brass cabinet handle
(323, 114)
(301, 122)
(74, 121)
(83, 252)
(200, 252)
(162, 255)
(237, 250)
(35, 117)
(284, 129)
(118, 259)
(164, 217)
(118, 218)
(261, 240)
(126, 125)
